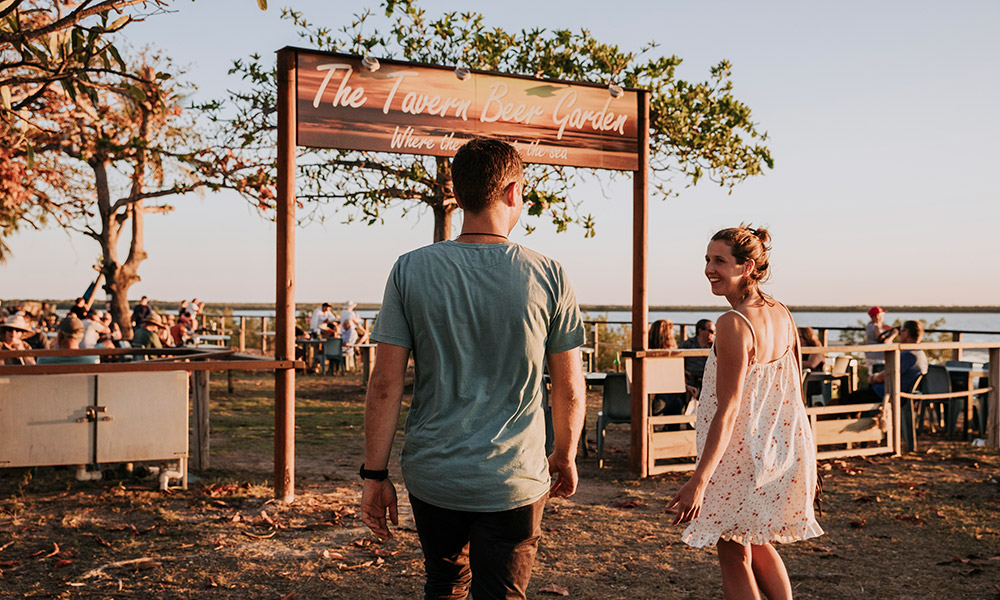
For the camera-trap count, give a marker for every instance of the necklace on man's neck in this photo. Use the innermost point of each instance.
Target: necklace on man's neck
(482, 233)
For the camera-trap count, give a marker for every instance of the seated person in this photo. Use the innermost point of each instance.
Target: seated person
(79, 308)
(180, 331)
(93, 330)
(36, 338)
(11, 331)
(349, 336)
(70, 335)
(324, 322)
(147, 334)
(694, 366)
(661, 337)
(912, 364)
(809, 339)
(877, 332)
(115, 334)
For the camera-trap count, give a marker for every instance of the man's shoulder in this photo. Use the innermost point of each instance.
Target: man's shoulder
(691, 342)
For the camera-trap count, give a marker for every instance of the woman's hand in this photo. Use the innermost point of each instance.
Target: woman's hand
(687, 503)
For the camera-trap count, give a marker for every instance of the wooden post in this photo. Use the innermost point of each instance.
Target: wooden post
(199, 432)
(956, 354)
(892, 394)
(222, 325)
(263, 338)
(684, 332)
(640, 297)
(823, 335)
(243, 333)
(597, 343)
(284, 340)
(993, 401)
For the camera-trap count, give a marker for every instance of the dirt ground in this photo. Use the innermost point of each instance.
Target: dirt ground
(921, 526)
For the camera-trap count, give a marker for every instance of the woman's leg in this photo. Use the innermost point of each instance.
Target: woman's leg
(738, 582)
(770, 573)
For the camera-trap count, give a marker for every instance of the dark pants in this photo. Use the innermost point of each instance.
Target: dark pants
(494, 551)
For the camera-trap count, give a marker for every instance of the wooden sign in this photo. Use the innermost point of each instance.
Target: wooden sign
(422, 109)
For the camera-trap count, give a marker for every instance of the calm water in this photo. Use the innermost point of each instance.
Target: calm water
(962, 321)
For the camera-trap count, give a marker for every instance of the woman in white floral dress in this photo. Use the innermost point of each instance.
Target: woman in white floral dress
(755, 480)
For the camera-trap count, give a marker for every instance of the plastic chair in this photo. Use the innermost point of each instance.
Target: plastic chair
(907, 417)
(938, 381)
(616, 407)
(333, 353)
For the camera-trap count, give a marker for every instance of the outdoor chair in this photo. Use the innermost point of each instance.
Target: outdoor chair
(907, 417)
(616, 407)
(937, 381)
(845, 372)
(333, 353)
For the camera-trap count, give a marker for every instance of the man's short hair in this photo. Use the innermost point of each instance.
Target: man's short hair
(702, 324)
(481, 171)
(915, 329)
(326, 305)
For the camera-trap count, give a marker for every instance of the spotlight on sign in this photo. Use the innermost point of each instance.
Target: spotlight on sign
(462, 73)
(371, 63)
(615, 90)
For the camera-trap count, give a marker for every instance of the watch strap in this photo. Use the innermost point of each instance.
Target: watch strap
(381, 475)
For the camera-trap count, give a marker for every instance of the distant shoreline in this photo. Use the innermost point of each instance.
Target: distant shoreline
(212, 307)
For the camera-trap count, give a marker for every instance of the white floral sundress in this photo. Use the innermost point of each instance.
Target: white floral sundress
(764, 486)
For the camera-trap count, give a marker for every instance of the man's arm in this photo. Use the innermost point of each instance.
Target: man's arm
(568, 399)
(382, 406)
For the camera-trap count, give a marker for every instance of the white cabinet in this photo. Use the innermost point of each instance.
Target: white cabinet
(85, 419)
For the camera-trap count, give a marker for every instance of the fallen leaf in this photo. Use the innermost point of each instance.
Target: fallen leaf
(868, 498)
(554, 588)
(55, 550)
(333, 555)
(630, 504)
(267, 518)
(959, 559)
(259, 537)
(13, 563)
(858, 524)
(211, 583)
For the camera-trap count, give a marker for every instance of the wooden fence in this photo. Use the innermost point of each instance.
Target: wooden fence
(840, 430)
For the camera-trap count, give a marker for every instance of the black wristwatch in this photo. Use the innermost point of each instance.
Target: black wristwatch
(376, 475)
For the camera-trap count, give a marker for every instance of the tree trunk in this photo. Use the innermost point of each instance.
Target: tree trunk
(443, 202)
(442, 222)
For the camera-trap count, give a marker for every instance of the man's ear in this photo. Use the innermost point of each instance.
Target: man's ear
(512, 192)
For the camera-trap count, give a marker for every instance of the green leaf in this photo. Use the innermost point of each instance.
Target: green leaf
(135, 92)
(118, 57)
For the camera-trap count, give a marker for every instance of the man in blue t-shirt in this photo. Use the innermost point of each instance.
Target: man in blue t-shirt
(482, 316)
(912, 364)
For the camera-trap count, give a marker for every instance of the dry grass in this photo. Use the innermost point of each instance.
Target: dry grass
(924, 525)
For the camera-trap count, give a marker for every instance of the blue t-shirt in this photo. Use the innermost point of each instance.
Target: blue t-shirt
(480, 319)
(912, 364)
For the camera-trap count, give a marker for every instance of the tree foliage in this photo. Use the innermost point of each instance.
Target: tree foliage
(52, 53)
(698, 130)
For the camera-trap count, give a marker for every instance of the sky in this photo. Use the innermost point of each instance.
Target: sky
(881, 118)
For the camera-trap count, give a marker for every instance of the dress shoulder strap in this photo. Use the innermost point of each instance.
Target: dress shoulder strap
(753, 334)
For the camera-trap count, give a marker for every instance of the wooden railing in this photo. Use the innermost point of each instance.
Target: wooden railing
(840, 430)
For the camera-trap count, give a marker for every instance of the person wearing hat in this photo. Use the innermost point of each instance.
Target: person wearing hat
(347, 314)
(148, 333)
(877, 332)
(68, 337)
(11, 339)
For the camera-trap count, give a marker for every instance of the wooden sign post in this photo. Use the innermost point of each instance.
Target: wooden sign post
(330, 100)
